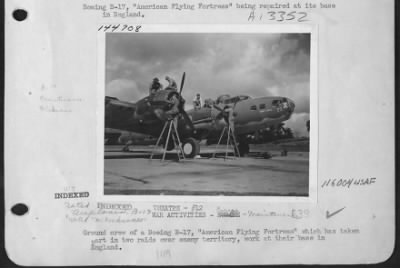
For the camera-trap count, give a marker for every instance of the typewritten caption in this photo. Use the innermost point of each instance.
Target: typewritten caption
(267, 11)
(122, 235)
(116, 239)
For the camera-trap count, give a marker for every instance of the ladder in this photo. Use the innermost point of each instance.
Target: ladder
(231, 140)
(171, 125)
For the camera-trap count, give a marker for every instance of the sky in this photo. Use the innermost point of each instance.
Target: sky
(258, 65)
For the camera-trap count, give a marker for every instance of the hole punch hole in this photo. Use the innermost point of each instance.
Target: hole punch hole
(19, 209)
(20, 14)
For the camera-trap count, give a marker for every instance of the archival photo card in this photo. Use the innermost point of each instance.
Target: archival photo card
(216, 114)
(162, 133)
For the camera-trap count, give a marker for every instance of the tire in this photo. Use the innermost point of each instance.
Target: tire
(191, 148)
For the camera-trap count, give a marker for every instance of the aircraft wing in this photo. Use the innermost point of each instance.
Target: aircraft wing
(118, 114)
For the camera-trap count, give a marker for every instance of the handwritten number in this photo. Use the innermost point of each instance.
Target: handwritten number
(279, 16)
(272, 13)
(281, 13)
(301, 18)
(291, 15)
(115, 27)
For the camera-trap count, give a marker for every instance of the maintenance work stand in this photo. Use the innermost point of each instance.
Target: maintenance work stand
(172, 127)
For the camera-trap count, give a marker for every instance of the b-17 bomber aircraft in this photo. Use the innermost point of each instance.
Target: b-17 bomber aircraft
(148, 116)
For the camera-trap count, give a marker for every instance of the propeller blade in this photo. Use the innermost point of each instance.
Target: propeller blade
(182, 111)
(182, 83)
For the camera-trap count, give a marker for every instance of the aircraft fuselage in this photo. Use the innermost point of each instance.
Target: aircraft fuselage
(249, 116)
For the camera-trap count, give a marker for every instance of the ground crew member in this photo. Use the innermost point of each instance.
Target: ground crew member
(155, 86)
(208, 103)
(197, 102)
(174, 110)
(173, 113)
(171, 83)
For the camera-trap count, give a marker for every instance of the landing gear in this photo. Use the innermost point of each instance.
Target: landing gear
(244, 148)
(191, 148)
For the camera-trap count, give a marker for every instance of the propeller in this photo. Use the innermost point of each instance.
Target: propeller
(177, 107)
(182, 111)
(225, 112)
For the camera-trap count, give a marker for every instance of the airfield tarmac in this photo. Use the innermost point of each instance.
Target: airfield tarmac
(132, 173)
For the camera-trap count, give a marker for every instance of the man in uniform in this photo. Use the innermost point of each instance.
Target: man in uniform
(155, 86)
(173, 113)
(208, 103)
(197, 102)
(171, 83)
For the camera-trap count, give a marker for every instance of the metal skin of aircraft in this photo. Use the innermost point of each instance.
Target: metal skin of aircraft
(249, 116)
(148, 116)
(114, 136)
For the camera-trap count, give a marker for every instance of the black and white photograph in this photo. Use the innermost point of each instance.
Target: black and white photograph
(207, 114)
(199, 133)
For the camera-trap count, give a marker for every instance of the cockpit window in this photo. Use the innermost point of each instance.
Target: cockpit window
(253, 107)
(262, 106)
(276, 102)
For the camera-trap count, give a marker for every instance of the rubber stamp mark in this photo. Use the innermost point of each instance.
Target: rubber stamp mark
(328, 215)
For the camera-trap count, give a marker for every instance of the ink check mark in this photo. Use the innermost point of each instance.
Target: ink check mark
(328, 215)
